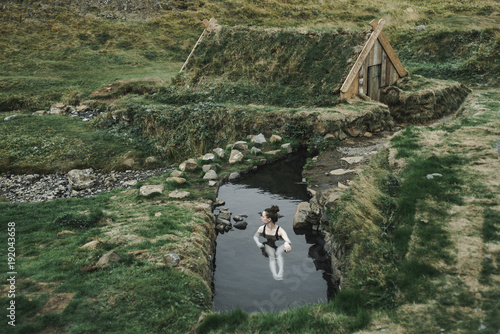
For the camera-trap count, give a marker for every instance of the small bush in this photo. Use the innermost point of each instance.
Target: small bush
(79, 221)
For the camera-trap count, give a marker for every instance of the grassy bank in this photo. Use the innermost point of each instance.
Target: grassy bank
(419, 230)
(56, 51)
(424, 253)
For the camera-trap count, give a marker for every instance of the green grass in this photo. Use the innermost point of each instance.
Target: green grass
(121, 298)
(48, 144)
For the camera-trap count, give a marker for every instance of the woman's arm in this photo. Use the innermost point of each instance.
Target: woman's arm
(256, 237)
(284, 236)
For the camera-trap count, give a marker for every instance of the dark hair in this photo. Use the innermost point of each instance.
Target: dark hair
(272, 213)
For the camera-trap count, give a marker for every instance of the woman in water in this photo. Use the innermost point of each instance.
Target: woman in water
(272, 233)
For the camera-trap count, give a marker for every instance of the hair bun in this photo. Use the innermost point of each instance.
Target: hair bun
(275, 208)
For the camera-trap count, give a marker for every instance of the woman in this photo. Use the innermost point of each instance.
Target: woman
(272, 233)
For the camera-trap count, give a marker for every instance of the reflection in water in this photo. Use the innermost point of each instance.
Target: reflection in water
(242, 277)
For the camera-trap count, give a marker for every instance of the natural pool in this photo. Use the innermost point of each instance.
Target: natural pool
(242, 277)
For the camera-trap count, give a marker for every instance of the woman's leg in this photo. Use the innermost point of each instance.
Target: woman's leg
(281, 260)
(271, 252)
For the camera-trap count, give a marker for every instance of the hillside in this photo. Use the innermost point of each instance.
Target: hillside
(413, 239)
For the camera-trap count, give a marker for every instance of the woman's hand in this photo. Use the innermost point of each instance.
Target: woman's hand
(287, 247)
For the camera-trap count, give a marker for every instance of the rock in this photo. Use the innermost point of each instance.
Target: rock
(368, 134)
(211, 175)
(259, 139)
(420, 27)
(150, 161)
(240, 145)
(275, 139)
(273, 152)
(147, 190)
(219, 152)
(81, 178)
(110, 256)
(172, 259)
(178, 180)
(300, 218)
(65, 232)
(176, 173)
(212, 183)
(178, 194)
(57, 109)
(352, 160)
(38, 188)
(219, 202)
(130, 183)
(240, 225)
(341, 171)
(91, 245)
(206, 168)
(8, 118)
(234, 176)
(357, 131)
(236, 156)
(220, 228)
(255, 150)
(223, 221)
(208, 157)
(224, 214)
(287, 147)
(189, 164)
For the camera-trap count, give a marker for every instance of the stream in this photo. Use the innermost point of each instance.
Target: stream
(242, 277)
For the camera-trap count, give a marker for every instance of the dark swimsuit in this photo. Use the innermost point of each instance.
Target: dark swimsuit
(271, 239)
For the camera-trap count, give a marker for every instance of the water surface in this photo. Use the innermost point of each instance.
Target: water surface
(242, 276)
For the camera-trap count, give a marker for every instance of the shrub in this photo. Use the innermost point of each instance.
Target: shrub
(79, 221)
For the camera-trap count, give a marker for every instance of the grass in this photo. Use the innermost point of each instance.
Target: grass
(133, 290)
(49, 144)
(409, 254)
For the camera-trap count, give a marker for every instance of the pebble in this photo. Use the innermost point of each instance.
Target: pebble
(42, 188)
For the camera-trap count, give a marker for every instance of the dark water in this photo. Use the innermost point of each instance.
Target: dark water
(242, 275)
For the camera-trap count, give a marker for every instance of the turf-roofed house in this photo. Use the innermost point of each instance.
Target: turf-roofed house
(291, 66)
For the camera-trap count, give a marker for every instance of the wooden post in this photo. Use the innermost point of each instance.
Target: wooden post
(209, 27)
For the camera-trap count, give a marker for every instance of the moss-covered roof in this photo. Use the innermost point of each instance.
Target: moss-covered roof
(304, 65)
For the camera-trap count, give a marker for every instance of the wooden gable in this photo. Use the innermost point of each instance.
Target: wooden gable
(377, 67)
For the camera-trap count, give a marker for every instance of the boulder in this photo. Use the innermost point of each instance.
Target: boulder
(176, 173)
(236, 156)
(258, 139)
(300, 218)
(234, 176)
(256, 151)
(224, 214)
(240, 145)
(172, 259)
(189, 164)
(178, 180)
(240, 225)
(110, 256)
(211, 175)
(275, 139)
(179, 194)
(151, 189)
(208, 157)
(219, 152)
(206, 168)
(80, 179)
(287, 147)
(8, 118)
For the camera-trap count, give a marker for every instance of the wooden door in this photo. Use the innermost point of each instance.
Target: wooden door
(373, 90)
